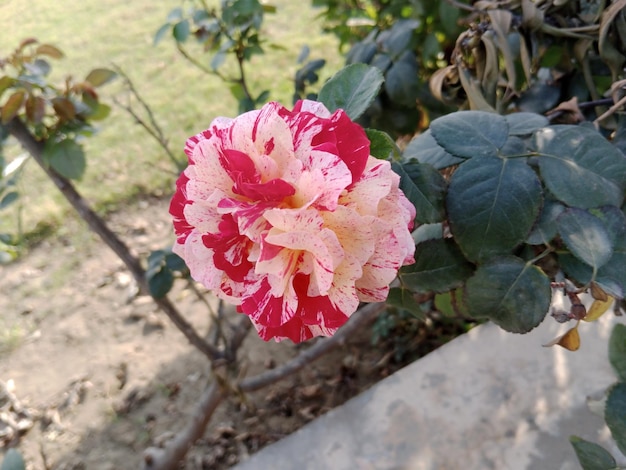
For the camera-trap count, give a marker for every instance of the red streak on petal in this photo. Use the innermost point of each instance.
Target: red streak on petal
(230, 249)
(182, 228)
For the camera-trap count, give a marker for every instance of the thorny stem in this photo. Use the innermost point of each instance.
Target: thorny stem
(17, 128)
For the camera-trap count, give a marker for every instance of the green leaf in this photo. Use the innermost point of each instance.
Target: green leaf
(160, 34)
(181, 31)
(175, 262)
(13, 460)
(439, 266)
(404, 299)
(451, 303)
(545, 229)
(580, 167)
(617, 350)
(425, 149)
(492, 205)
(382, 145)
(8, 199)
(586, 236)
(615, 414)
(591, 456)
(66, 158)
(524, 124)
(100, 76)
(425, 188)
(352, 89)
(160, 282)
(513, 294)
(470, 134)
(401, 83)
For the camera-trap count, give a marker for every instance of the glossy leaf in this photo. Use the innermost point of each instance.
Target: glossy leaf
(580, 167)
(617, 350)
(615, 414)
(492, 205)
(160, 283)
(425, 149)
(592, 456)
(352, 89)
(523, 124)
(66, 158)
(514, 295)
(586, 236)
(404, 299)
(545, 228)
(425, 188)
(382, 145)
(100, 76)
(439, 266)
(470, 134)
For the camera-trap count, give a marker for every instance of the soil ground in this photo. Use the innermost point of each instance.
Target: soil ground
(94, 374)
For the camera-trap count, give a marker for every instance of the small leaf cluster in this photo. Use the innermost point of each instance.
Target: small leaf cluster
(506, 205)
(592, 456)
(163, 268)
(232, 30)
(57, 115)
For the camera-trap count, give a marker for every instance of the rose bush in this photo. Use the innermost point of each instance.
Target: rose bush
(287, 215)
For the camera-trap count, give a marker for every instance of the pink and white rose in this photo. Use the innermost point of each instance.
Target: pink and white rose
(286, 215)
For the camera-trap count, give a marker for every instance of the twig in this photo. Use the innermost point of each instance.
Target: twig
(611, 110)
(361, 317)
(168, 457)
(17, 128)
(153, 129)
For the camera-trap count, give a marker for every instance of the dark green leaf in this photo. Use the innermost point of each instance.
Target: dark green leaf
(8, 199)
(615, 414)
(218, 60)
(580, 167)
(352, 89)
(586, 236)
(470, 134)
(425, 188)
(439, 266)
(523, 124)
(66, 158)
(13, 460)
(617, 350)
(425, 149)
(100, 76)
(181, 31)
(401, 83)
(404, 299)
(160, 283)
(492, 205)
(160, 34)
(382, 145)
(514, 295)
(545, 229)
(591, 456)
(175, 262)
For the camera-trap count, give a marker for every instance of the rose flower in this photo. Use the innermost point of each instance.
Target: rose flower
(287, 216)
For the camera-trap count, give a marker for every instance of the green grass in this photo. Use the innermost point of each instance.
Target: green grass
(123, 161)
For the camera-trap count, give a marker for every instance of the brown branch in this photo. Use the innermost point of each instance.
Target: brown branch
(168, 457)
(36, 148)
(361, 317)
(171, 455)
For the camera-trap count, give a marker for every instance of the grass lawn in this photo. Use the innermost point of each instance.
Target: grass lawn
(123, 161)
